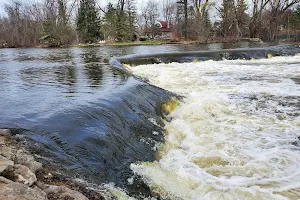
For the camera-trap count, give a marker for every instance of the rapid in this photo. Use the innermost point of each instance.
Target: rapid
(234, 134)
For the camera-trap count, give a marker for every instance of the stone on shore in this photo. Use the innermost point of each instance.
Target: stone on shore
(22, 174)
(18, 180)
(7, 151)
(4, 180)
(61, 192)
(17, 191)
(2, 141)
(5, 132)
(23, 158)
(5, 165)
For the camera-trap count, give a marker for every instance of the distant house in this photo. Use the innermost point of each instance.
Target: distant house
(162, 30)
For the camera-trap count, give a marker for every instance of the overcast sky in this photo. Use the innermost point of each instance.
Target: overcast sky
(2, 2)
(101, 2)
(1, 6)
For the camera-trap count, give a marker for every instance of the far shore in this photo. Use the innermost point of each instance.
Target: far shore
(134, 43)
(148, 43)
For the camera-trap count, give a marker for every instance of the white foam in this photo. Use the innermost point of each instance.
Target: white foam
(231, 137)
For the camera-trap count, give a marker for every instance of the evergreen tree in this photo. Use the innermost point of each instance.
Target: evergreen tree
(63, 28)
(131, 10)
(295, 18)
(123, 27)
(110, 23)
(119, 22)
(49, 35)
(88, 21)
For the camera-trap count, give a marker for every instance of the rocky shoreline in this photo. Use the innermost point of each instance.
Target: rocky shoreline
(22, 177)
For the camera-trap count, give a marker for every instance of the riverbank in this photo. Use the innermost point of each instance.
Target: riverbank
(136, 43)
(22, 177)
(140, 43)
(169, 42)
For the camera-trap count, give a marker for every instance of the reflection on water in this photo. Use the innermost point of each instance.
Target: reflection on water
(85, 118)
(93, 71)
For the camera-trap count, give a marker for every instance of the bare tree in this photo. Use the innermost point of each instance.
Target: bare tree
(169, 11)
(266, 17)
(22, 25)
(229, 26)
(200, 23)
(256, 19)
(150, 15)
(277, 10)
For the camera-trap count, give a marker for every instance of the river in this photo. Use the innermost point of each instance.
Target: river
(231, 136)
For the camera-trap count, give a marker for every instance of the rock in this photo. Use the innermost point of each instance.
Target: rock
(5, 164)
(2, 141)
(61, 192)
(23, 158)
(5, 132)
(48, 176)
(17, 191)
(19, 137)
(4, 180)
(7, 151)
(22, 174)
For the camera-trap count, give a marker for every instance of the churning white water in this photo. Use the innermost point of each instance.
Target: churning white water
(235, 133)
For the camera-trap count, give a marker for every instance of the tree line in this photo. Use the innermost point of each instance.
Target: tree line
(59, 22)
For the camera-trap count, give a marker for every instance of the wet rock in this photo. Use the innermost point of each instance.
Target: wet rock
(48, 176)
(23, 158)
(19, 137)
(22, 174)
(17, 191)
(5, 164)
(5, 132)
(297, 142)
(61, 192)
(296, 80)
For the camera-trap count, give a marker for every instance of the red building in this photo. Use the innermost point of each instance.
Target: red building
(162, 31)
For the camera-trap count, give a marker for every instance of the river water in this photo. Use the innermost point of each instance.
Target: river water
(234, 136)
(234, 133)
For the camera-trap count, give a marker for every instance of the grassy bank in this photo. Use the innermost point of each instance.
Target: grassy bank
(149, 42)
(137, 43)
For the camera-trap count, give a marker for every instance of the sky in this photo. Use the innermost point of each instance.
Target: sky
(1, 6)
(2, 2)
(101, 2)
(214, 14)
